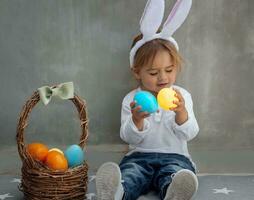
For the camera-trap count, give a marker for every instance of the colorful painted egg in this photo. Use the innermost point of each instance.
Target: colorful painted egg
(56, 149)
(38, 151)
(147, 101)
(165, 98)
(56, 161)
(74, 155)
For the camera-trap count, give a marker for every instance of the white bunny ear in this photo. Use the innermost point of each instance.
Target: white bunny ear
(176, 17)
(152, 17)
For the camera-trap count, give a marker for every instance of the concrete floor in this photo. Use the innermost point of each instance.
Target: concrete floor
(227, 184)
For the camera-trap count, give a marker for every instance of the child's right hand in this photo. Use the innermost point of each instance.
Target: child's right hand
(137, 116)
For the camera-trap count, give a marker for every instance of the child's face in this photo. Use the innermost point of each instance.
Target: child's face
(160, 74)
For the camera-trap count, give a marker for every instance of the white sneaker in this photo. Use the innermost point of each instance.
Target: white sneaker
(108, 182)
(184, 185)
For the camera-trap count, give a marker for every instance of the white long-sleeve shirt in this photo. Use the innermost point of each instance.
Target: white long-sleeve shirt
(160, 134)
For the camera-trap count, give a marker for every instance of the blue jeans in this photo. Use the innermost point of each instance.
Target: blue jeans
(143, 172)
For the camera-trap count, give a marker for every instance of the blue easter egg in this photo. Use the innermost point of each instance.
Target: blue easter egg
(74, 155)
(147, 101)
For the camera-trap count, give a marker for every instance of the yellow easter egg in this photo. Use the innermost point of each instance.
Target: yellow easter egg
(165, 98)
(56, 149)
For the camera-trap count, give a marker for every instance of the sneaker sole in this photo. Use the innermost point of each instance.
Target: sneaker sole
(108, 178)
(183, 187)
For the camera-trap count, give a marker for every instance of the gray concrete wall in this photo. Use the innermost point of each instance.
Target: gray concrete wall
(87, 42)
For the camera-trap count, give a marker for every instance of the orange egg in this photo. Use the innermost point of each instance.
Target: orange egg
(56, 161)
(38, 151)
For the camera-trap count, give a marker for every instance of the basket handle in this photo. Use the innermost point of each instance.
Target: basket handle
(23, 122)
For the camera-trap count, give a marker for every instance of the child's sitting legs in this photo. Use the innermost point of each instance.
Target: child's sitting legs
(171, 175)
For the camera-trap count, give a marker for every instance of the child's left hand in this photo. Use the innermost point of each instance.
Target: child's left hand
(180, 103)
(180, 110)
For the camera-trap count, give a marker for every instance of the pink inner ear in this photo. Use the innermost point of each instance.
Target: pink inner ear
(173, 12)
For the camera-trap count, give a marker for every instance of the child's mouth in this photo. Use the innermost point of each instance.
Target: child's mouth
(162, 85)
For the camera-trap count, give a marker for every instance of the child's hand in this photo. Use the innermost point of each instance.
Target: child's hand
(137, 116)
(180, 110)
(180, 103)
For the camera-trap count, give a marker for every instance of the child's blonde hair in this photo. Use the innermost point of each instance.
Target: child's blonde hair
(146, 53)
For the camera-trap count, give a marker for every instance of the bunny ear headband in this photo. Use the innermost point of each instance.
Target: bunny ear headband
(152, 19)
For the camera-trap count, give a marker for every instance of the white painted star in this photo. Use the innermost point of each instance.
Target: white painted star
(16, 180)
(4, 196)
(222, 191)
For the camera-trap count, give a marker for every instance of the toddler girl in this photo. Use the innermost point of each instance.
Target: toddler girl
(158, 157)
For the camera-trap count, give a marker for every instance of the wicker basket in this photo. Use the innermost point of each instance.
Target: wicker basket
(40, 183)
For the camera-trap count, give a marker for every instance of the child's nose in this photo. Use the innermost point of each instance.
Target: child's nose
(162, 76)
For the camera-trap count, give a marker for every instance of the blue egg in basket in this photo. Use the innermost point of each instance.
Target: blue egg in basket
(147, 101)
(74, 155)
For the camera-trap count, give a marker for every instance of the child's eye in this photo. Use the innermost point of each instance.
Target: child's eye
(153, 74)
(169, 71)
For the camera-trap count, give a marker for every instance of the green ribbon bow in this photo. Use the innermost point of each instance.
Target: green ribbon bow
(63, 91)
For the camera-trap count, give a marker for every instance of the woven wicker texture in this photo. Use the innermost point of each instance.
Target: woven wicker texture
(40, 183)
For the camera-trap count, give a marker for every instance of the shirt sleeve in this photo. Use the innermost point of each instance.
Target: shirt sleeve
(189, 129)
(128, 131)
